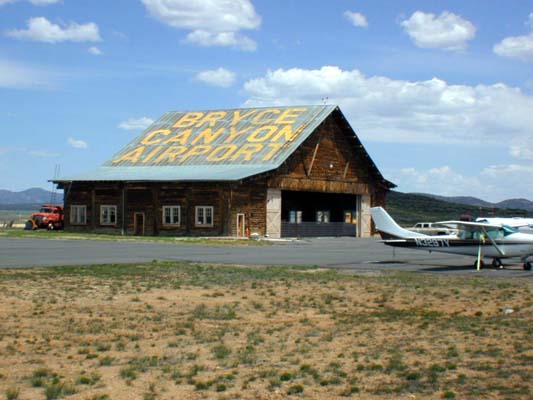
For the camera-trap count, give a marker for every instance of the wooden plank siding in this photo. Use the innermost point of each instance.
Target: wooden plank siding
(336, 167)
(328, 161)
(227, 201)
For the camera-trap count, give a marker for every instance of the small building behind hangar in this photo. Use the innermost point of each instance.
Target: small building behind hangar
(278, 171)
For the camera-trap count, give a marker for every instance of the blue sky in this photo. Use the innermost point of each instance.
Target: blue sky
(440, 92)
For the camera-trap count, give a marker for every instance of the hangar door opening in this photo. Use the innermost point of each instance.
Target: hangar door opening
(313, 214)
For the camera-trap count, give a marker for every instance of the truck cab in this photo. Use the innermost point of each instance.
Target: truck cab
(49, 216)
(432, 229)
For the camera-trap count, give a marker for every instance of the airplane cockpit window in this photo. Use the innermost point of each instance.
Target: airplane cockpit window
(493, 234)
(496, 233)
(465, 235)
(507, 230)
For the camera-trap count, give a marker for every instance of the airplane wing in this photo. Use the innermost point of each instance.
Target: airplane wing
(513, 222)
(519, 225)
(481, 227)
(470, 226)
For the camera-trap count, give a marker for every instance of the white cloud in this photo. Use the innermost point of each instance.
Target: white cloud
(447, 31)
(520, 47)
(509, 181)
(34, 2)
(218, 77)
(42, 30)
(442, 180)
(23, 151)
(357, 19)
(224, 39)
(522, 148)
(510, 171)
(95, 51)
(136, 124)
(43, 153)
(493, 183)
(43, 2)
(211, 22)
(77, 144)
(384, 109)
(18, 76)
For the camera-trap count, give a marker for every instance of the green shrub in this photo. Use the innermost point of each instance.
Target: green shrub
(295, 389)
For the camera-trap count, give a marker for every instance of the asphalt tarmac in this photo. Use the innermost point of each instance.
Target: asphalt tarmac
(362, 255)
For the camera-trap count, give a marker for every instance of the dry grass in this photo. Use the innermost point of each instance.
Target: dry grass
(169, 331)
(60, 234)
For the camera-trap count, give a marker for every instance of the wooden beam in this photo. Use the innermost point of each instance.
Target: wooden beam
(346, 170)
(157, 206)
(94, 211)
(314, 156)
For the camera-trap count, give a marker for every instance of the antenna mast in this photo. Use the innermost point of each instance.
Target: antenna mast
(53, 196)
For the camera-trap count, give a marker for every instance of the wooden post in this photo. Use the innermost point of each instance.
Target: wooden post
(94, 211)
(123, 211)
(156, 208)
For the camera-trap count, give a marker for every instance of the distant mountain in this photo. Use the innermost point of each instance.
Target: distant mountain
(522, 204)
(410, 208)
(29, 196)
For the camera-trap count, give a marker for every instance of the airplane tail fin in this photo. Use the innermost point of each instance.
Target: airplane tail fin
(388, 228)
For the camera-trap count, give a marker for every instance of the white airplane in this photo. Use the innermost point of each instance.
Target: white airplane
(478, 239)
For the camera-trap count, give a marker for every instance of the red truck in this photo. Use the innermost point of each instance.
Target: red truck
(49, 216)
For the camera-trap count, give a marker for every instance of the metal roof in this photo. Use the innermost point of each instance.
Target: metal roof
(166, 173)
(218, 145)
(211, 145)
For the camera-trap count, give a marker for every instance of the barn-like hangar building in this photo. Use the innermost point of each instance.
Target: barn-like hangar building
(279, 171)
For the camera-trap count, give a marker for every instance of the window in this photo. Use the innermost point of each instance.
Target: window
(108, 215)
(171, 215)
(322, 216)
(204, 216)
(350, 217)
(295, 217)
(78, 215)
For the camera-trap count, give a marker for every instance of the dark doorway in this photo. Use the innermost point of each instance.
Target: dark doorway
(138, 222)
(313, 214)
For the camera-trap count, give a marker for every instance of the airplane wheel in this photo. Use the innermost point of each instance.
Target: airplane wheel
(527, 266)
(497, 263)
(481, 264)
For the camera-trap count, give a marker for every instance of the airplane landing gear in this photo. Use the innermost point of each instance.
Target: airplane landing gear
(497, 263)
(527, 266)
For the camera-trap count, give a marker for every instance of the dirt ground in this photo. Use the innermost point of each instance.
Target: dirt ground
(183, 331)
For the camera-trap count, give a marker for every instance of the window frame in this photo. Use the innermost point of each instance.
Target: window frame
(171, 208)
(353, 217)
(323, 216)
(75, 215)
(204, 216)
(295, 216)
(109, 207)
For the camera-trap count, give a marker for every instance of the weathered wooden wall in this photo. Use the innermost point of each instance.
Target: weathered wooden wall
(328, 161)
(226, 199)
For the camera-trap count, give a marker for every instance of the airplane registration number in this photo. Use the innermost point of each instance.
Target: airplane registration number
(433, 242)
